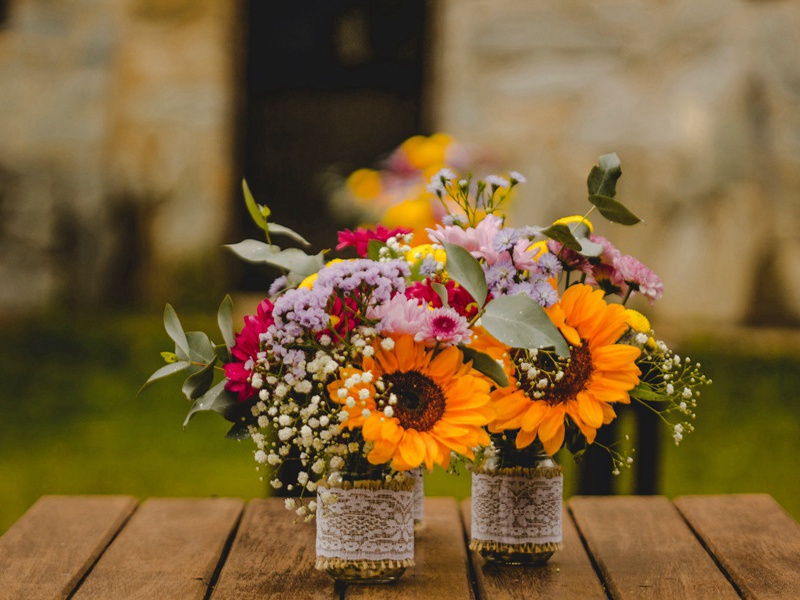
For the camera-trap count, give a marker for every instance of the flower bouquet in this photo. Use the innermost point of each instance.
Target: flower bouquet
(487, 344)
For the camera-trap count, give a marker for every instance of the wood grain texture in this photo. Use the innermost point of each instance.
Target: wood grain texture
(752, 537)
(644, 549)
(569, 574)
(273, 558)
(440, 554)
(169, 549)
(54, 544)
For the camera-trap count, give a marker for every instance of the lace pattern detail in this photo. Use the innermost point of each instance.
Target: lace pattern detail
(365, 524)
(517, 510)
(419, 494)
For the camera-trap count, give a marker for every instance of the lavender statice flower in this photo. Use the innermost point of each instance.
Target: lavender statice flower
(505, 239)
(278, 285)
(382, 279)
(549, 265)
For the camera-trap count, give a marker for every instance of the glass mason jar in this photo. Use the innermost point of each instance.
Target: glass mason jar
(419, 499)
(517, 507)
(365, 529)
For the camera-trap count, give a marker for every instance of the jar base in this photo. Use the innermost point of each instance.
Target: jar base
(519, 559)
(359, 574)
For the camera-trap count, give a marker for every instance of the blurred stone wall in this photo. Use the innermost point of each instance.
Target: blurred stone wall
(116, 129)
(701, 100)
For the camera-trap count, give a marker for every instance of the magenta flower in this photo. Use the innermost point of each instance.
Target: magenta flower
(639, 277)
(445, 326)
(245, 352)
(361, 237)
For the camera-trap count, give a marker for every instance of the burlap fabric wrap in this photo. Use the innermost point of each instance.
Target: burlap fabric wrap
(365, 523)
(517, 510)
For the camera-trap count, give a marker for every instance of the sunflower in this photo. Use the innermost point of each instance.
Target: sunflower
(598, 373)
(415, 405)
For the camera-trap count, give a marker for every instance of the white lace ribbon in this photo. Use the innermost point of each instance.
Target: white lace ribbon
(364, 524)
(516, 510)
(419, 494)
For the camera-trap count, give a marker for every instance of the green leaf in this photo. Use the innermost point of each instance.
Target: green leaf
(374, 249)
(222, 352)
(644, 392)
(174, 328)
(614, 210)
(169, 357)
(225, 321)
(238, 432)
(521, 323)
(296, 261)
(442, 292)
(198, 383)
(561, 233)
(217, 399)
(253, 251)
(603, 176)
(252, 207)
(276, 229)
(164, 371)
(467, 272)
(483, 363)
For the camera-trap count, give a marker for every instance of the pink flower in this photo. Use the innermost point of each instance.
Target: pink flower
(478, 240)
(361, 237)
(443, 325)
(399, 315)
(245, 351)
(604, 273)
(639, 277)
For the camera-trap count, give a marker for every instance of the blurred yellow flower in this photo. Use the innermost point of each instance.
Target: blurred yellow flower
(308, 282)
(637, 321)
(364, 184)
(426, 152)
(415, 214)
(574, 219)
(419, 253)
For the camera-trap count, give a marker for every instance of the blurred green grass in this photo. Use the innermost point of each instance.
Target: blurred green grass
(70, 422)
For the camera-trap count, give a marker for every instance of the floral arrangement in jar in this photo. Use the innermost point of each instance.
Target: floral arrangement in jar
(491, 344)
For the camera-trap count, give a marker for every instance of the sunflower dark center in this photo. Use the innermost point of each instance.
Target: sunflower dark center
(577, 374)
(420, 401)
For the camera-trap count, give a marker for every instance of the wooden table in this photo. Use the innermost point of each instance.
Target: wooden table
(113, 547)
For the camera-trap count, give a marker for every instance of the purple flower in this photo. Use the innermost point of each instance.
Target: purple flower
(549, 265)
(639, 277)
(505, 239)
(500, 275)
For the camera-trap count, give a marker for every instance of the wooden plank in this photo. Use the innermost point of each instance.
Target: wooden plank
(170, 549)
(752, 537)
(568, 574)
(54, 544)
(644, 549)
(273, 558)
(440, 554)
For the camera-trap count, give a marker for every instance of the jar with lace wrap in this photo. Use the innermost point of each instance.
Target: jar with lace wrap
(365, 529)
(517, 507)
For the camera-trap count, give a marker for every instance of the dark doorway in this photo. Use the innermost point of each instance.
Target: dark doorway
(330, 83)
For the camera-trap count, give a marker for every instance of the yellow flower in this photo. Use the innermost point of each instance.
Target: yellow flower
(540, 247)
(364, 184)
(440, 405)
(600, 372)
(574, 219)
(426, 152)
(419, 253)
(637, 321)
(416, 214)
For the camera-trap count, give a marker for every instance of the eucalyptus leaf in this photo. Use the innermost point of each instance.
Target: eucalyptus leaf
(442, 292)
(222, 352)
(174, 328)
(200, 347)
(253, 251)
(198, 383)
(296, 261)
(520, 322)
(483, 363)
(164, 371)
(374, 249)
(252, 207)
(603, 176)
(239, 431)
(225, 321)
(276, 229)
(467, 272)
(614, 210)
(217, 399)
(561, 233)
